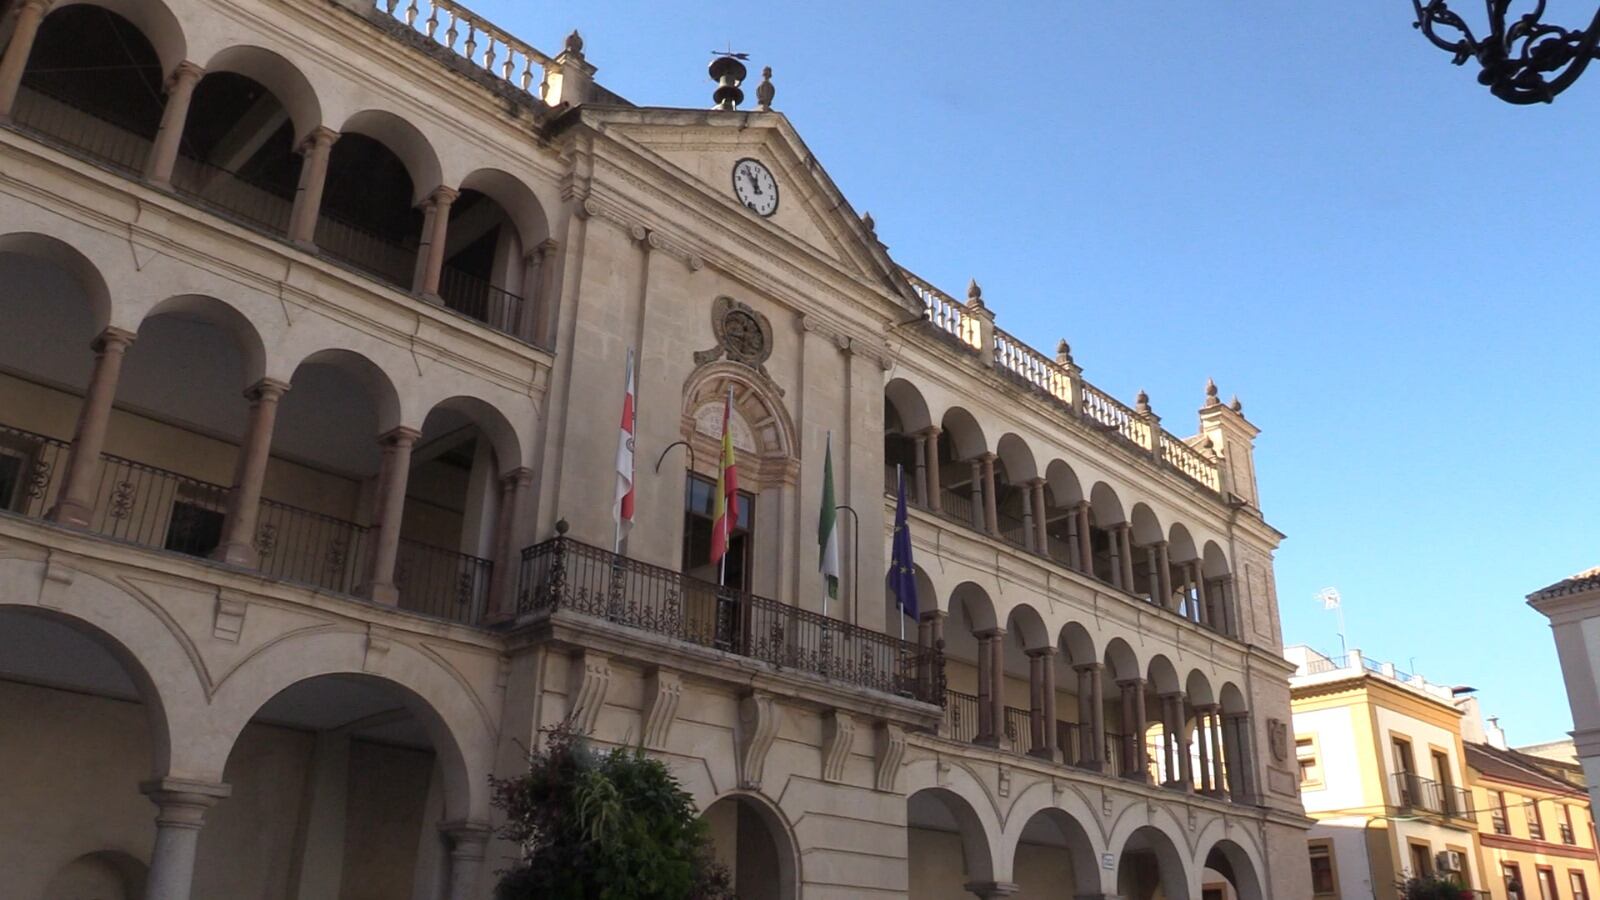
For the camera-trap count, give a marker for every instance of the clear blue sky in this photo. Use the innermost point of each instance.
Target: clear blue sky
(1394, 270)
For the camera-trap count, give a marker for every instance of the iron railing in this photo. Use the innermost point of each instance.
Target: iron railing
(255, 203)
(378, 256)
(1567, 837)
(478, 299)
(563, 574)
(961, 716)
(1019, 729)
(1414, 792)
(62, 123)
(442, 583)
(30, 466)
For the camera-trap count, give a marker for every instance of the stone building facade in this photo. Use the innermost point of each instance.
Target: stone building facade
(316, 319)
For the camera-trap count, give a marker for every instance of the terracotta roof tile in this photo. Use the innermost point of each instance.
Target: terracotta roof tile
(1579, 582)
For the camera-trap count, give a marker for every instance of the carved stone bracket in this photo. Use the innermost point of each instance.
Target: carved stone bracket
(229, 619)
(662, 691)
(586, 689)
(57, 578)
(378, 642)
(891, 740)
(838, 733)
(1003, 785)
(753, 735)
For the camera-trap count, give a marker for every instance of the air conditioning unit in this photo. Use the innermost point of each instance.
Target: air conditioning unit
(1449, 860)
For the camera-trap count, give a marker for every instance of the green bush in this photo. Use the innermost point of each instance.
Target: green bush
(1432, 888)
(603, 826)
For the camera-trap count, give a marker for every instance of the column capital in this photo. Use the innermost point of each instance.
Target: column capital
(183, 803)
(112, 336)
(42, 6)
(993, 633)
(185, 71)
(932, 431)
(401, 435)
(1089, 667)
(521, 477)
(267, 389)
(443, 195)
(987, 457)
(1120, 527)
(320, 137)
(1158, 545)
(1208, 709)
(467, 837)
(933, 615)
(1132, 683)
(1046, 652)
(1236, 716)
(1179, 696)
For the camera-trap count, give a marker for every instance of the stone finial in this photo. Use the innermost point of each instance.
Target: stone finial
(870, 224)
(1211, 392)
(974, 294)
(765, 91)
(1235, 405)
(562, 527)
(1141, 404)
(1206, 445)
(1064, 352)
(573, 44)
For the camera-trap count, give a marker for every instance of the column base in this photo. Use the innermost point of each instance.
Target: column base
(71, 512)
(1045, 753)
(306, 245)
(387, 594)
(992, 743)
(237, 553)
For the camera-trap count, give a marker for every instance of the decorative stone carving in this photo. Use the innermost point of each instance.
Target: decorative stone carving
(57, 578)
(890, 750)
(378, 643)
(662, 691)
(228, 622)
(753, 736)
(586, 690)
(1278, 738)
(1003, 787)
(743, 335)
(838, 733)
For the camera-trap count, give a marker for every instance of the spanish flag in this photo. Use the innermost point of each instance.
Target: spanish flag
(725, 505)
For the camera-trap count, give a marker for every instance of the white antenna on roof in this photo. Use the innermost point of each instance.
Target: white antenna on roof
(1330, 599)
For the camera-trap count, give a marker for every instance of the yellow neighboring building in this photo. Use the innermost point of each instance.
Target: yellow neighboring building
(1536, 830)
(1381, 765)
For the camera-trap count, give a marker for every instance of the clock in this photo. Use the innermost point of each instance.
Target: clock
(755, 187)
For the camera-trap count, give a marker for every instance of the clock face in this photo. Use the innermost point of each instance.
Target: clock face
(755, 187)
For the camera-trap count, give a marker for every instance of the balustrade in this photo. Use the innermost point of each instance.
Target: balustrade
(474, 39)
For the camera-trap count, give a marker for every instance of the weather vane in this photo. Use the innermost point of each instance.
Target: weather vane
(727, 70)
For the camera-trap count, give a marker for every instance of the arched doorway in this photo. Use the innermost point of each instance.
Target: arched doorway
(1151, 868)
(946, 846)
(754, 843)
(1054, 857)
(1230, 874)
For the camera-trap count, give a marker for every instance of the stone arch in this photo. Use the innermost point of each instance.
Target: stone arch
(458, 724)
(1078, 644)
(760, 425)
(1215, 563)
(951, 807)
(1121, 662)
(1027, 625)
(1198, 687)
(104, 875)
(971, 609)
(1017, 458)
(782, 857)
(1105, 506)
(403, 140)
(516, 199)
(1065, 488)
(1233, 862)
(965, 436)
(379, 387)
(70, 260)
(909, 403)
(1232, 699)
(287, 84)
(1148, 857)
(491, 422)
(1146, 527)
(1057, 822)
(225, 318)
(1163, 676)
(153, 19)
(1180, 544)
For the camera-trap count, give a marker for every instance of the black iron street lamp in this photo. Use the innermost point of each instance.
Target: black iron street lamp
(1523, 62)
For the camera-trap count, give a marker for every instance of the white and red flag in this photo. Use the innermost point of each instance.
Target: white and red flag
(622, 508)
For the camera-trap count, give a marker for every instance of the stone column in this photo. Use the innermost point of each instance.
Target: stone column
(29, 14)
(1202, 738)
(1091, 716)
(1137, 764)
(1042, 689)
(1180, 720)
(1028, 521)
(919, 468)
(1202, 592)
(930, 630)
(1164, 573)
(1085, 540)
(987, 700)
(932, 498)
(75, 503)
(1041, 534)
(1236, 740)
(385, 534)
(164, 151)
(1219, 780)
(182, 809)
(1125, 538)
(1152, 575)
(238, 545)
(978, 494)
(467, 845)
(1121, 576)
(430, 253)
(513, 486)
(991, 512)
(314, 154)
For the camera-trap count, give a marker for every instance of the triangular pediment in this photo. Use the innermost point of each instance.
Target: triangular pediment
(703, 147)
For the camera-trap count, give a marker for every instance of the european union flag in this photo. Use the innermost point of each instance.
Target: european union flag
(902, 572)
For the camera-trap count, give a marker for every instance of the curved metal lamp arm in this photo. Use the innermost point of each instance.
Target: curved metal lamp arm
(1524, 62)
(667, 449)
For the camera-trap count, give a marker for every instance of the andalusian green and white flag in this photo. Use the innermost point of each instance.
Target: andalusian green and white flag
(828, 530)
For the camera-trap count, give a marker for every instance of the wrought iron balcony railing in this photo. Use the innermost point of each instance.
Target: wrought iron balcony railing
(1415, 793)
(565, 574)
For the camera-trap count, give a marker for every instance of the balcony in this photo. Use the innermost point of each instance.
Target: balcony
(1567, 837)
(1414, 793)
(565, 575)
(162, 510)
